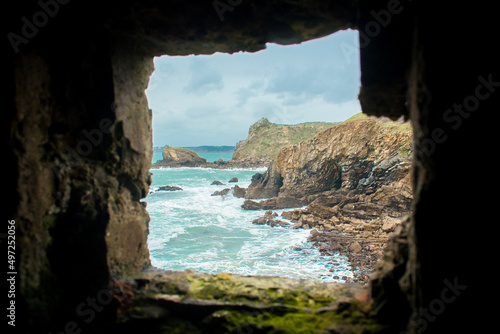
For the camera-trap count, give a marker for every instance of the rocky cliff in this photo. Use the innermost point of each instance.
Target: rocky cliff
(361, 155)
(266, 139)
(355, 180)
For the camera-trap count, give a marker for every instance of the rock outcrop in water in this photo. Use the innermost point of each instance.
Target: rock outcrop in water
(181, 157)
(355, 180)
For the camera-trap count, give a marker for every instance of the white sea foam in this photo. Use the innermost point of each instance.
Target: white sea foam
(191, 229)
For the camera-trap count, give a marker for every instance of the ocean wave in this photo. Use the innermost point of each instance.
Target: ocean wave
(191, 229)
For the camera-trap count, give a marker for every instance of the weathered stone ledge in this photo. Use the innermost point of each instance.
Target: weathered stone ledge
(188, 302)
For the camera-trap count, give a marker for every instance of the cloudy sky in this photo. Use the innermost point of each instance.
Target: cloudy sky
(213, 100)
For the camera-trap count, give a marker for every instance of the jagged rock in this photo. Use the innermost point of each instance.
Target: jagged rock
(354, 177)
(390, 224)
(355, 247)
(234, 179)
(360, 155)
(321, 211)
(271, 222)
(264, 185)
(239, 192)
(293, 215)
(223, 192)
(270, 214)
(260, 221)
(274, 203)
(251, 205)
(217, 183)
(277, 222)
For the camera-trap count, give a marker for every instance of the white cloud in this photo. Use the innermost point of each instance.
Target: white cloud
(212, 100)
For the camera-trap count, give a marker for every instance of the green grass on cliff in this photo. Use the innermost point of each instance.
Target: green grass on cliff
(393, 125)
(266, 139)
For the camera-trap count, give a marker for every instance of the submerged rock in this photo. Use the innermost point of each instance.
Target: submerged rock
(169, 188)
(268, 219)
(223, 192)
(274, 203)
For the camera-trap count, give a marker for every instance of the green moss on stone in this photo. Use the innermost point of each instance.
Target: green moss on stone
(227, 303)
(351, 320)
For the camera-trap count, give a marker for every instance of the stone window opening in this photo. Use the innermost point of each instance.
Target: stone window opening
(79, 231)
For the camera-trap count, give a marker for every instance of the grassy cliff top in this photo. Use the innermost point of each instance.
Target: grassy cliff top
(265, 139)
(398, 125)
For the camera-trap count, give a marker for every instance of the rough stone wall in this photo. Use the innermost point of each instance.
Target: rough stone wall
(80, 146)
(86, 66)
(79, 130)
(427, 278)
(126, 234)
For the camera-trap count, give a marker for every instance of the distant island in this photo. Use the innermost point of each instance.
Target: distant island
(203, 149)
(211, 149)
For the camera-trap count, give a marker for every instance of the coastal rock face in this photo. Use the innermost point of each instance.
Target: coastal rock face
(223, 192)
(266, 139)
(181, 157)
(354, 179)
(265, 185)
(359, 154)
(239, 191)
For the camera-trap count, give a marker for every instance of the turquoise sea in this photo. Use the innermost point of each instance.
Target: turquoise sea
(211, 157)
(191, 229)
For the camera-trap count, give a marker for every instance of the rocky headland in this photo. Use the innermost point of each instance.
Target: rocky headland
(266, 139)
(264, 142)
(349, 184)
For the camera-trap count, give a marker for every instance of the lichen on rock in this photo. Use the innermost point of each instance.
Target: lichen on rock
(231, 303)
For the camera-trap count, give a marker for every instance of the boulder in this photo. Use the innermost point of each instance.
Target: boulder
(293, 215)
(251, 205)
(233, 180)
(274, 203)
(355, 247)
(271, 222)
(217, 183)
(321, 211)
(260, 221)
(270, 214)
(239, 192)
(390, 224)
(277, 222)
